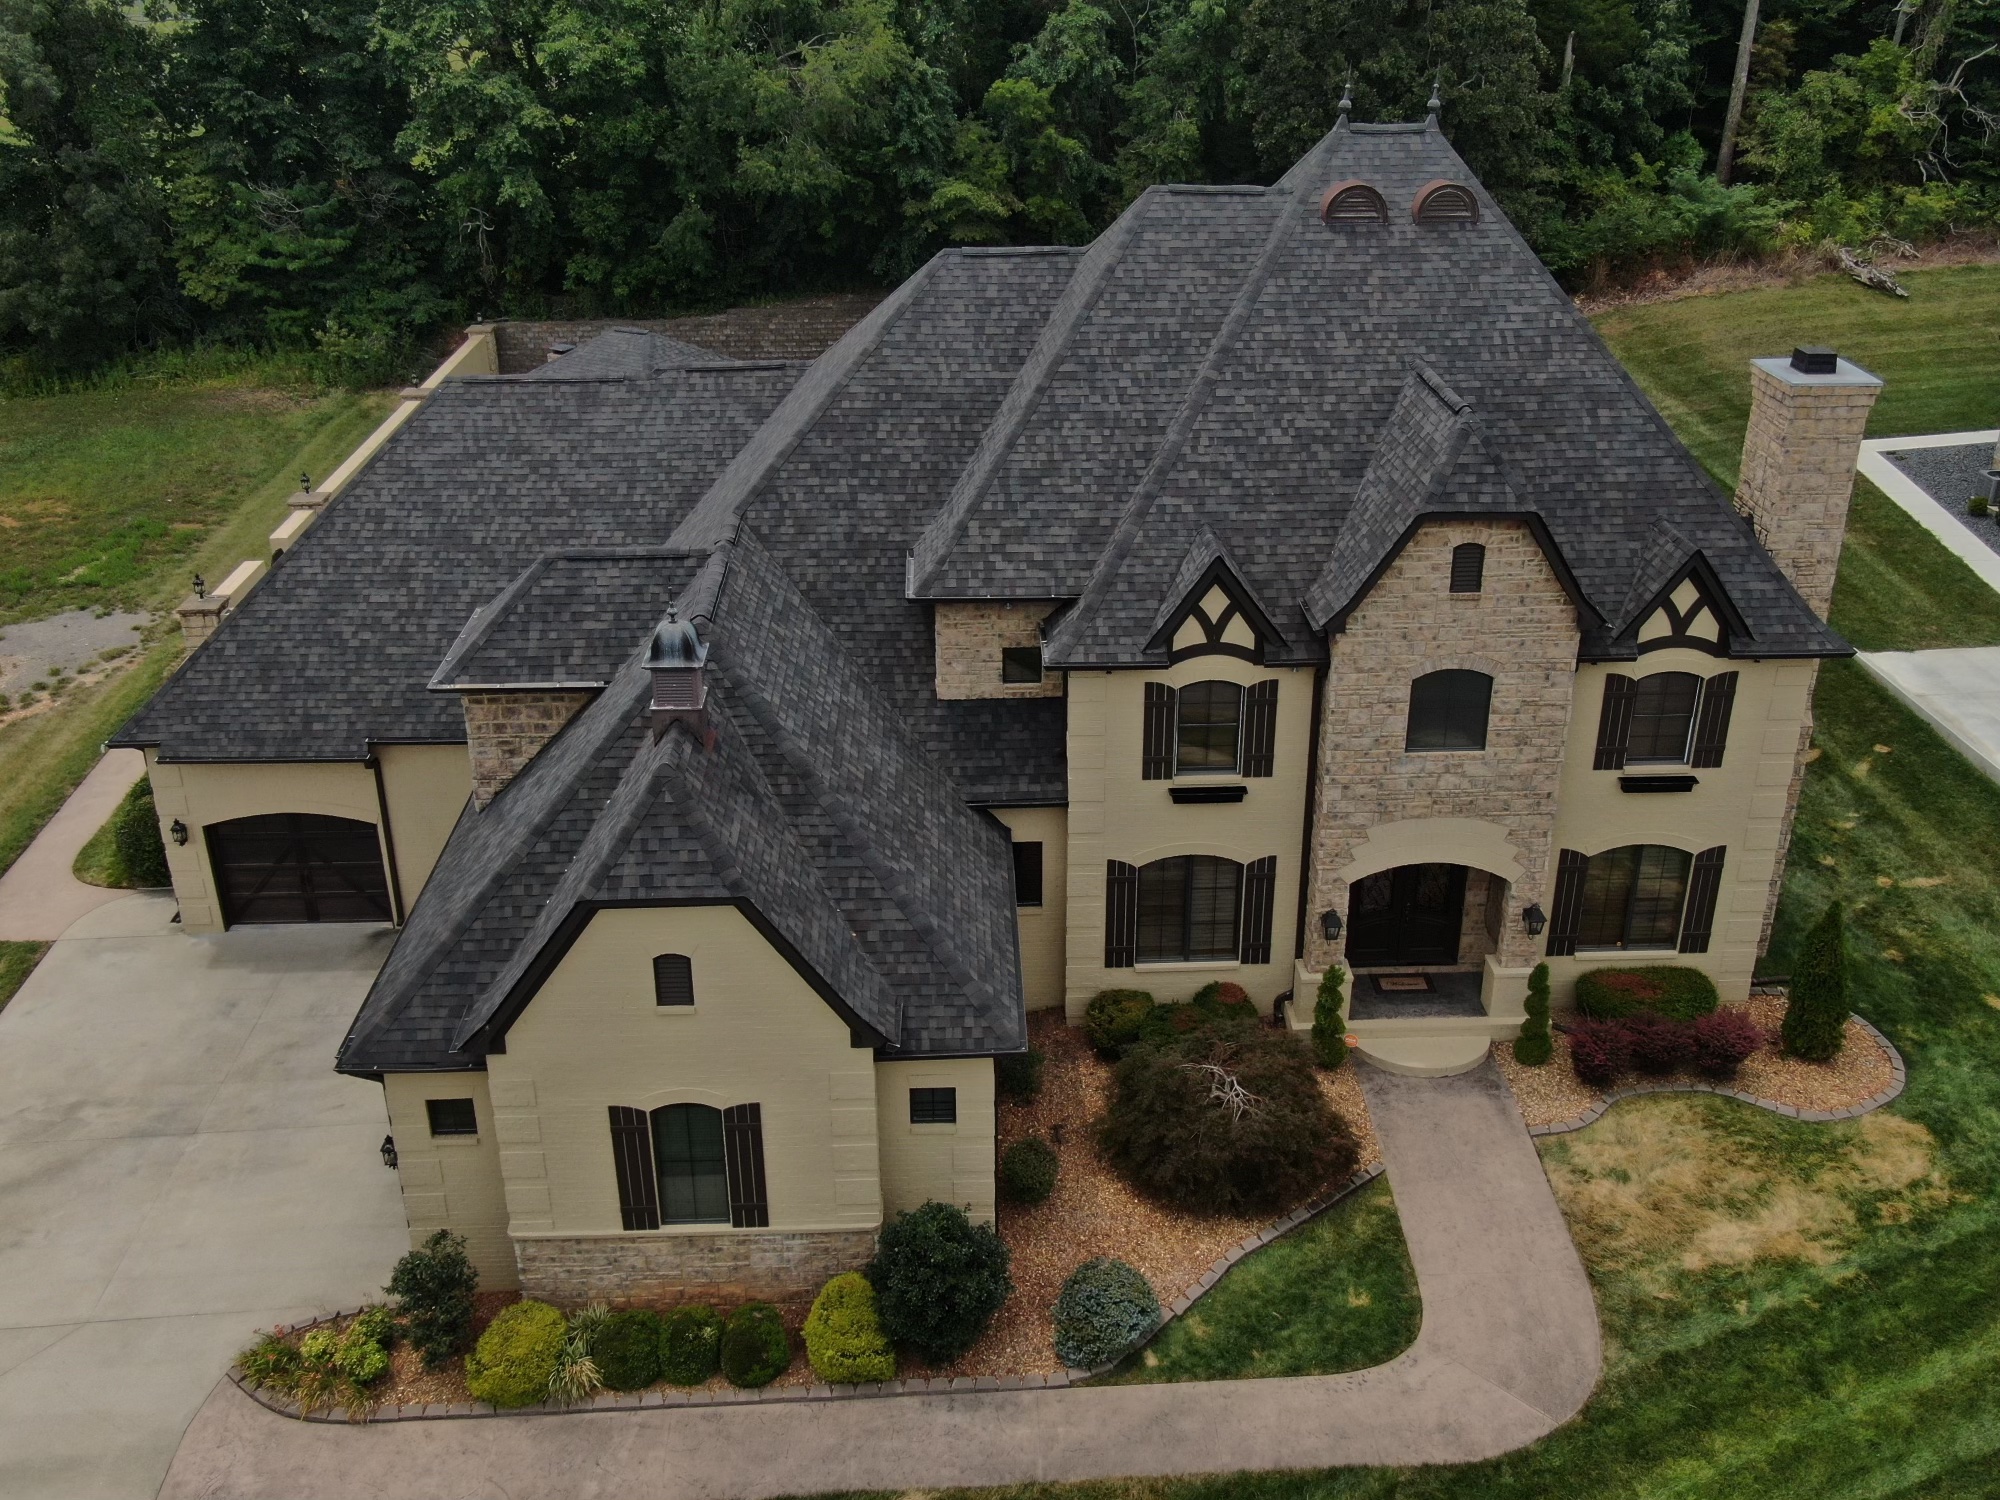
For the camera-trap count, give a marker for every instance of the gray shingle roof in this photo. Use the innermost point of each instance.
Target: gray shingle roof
(623, 353)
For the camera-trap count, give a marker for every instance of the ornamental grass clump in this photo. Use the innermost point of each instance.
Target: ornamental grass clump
(626, 1349)
(756, 1350)
(1534, 1046)
(690, 1345)
(514, 1362)
(1816, 1014)
(1329, 1031)
(844, 1339)
(433, 1287)
(1028, 1170)
(939, 1278)
(577, 1378)
(1224, 1125)
(1105, 1310)
(1113, 1019)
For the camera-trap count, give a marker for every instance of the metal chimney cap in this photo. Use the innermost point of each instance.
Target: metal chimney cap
(1815, 359)
(675, 644)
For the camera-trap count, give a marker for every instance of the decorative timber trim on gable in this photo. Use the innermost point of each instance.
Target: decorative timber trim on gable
(1588, 614)
(1217, 616)
(1693, 611)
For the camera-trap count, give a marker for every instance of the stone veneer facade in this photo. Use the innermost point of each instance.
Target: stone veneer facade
(970, 637)
(504, 731)
(1521, 629)
(659, 1270)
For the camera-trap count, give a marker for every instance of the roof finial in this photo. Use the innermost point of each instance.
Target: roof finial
(1346, 105)
(1437, 103)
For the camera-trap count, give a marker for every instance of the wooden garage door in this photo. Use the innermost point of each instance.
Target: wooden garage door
(298, 867)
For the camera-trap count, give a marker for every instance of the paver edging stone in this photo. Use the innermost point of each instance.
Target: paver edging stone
(435, 1411)
(1899, 1076)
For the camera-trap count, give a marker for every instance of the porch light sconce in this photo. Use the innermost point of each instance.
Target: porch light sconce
(1534, 919)
(200, 587)
(178, 831)
(388, 1151)
(1329, 925)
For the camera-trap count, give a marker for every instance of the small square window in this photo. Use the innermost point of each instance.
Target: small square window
(452, 1116)
(673, 979)
(1020, 663)
(1028, 874)
(933, 1106)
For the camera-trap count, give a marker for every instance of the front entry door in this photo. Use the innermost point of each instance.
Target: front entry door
(1408, 915)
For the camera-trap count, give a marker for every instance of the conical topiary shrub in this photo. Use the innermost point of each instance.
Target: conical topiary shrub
(1329, 1033)
(1534, 1046)
(1816, 1017)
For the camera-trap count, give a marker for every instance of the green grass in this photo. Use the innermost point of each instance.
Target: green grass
(1335, 1294)
(17, 962)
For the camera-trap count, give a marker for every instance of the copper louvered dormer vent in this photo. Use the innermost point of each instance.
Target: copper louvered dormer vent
(1444, 202)
(676, 661)
(1353, 203)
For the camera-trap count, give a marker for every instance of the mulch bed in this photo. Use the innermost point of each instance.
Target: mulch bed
(1551, 1094)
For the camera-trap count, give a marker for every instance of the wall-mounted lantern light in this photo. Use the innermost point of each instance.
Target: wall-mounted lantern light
(1534, 919)
(200, 587)
(388, 1151)
(178, 831)
(1329, 925)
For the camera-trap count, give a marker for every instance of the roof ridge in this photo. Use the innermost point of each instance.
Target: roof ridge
(1024, 395)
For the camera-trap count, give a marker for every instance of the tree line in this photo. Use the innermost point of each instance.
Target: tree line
(348, 176)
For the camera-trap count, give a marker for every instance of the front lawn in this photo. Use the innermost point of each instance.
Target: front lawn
(17, 962)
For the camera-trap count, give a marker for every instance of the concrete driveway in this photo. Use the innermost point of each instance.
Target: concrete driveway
(179, 1166)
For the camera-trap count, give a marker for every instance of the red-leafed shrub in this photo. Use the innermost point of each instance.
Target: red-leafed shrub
(1599, 1051)
(1229, 992)
(1723, 1040)
(1658, 1045)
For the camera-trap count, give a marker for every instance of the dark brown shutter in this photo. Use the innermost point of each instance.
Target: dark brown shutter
(1711, 725)
(632, 1153)
(1260, 891)
(1704, 884)
(1121, 914)
(1567, 901)
(743, 1148)
(1260, 728)
(1614, 724)
(1157, 763)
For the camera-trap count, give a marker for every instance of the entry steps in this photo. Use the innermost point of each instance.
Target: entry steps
(1426, 1046)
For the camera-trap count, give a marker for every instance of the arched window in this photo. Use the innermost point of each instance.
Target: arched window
(1662, 718)
(1632, 897)
(1188, 909)
(1448, 711)
(1208, 733)
(1468, 568)
(673, 979)
(692, 1165)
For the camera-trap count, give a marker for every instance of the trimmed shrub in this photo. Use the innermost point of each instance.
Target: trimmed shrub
(433, 1288)
(516, 1357)
(1105, 1309)
(1672, 990)
(1113, 1018)
(1722, 1041)
(360, 1358)
(690, 1345)
(1534, 1046)
(626, 1349)
(1018, 1076)
(844, 1338)
(1329, 1033)
(1028, 1171)
(755, 1348)
(1224, 1125)
(1655, 1044)
(1599, 1051)
(1209, 1013)
(1816, 1014)
(136, 835)
(939, 1278)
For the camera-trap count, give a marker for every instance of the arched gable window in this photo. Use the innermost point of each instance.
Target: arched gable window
(673, 979)
(690, 1164)
(1448, 711)
(1208, 732)
(1188, 909)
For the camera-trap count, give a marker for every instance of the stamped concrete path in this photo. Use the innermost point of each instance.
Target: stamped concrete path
(1509, 1349)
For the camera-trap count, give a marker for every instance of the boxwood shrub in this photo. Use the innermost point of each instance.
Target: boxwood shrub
(136, 835)
(1018, 1075)
(626, 1349)
(939, 1278)
(1105, 1309)
(755, 1347)
(513, 1360)
(1671, 990)
(844, 1338)
(433, 1287)
(1028, 1171)
(1113, 1018)
(690, 1345)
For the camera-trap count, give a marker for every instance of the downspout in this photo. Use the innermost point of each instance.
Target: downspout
(388, 839)
(1312, 797)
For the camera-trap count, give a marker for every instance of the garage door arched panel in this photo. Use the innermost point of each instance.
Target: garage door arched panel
(298, 867)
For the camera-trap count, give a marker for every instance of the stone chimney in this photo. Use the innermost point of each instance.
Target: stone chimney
(505, 730)
(1807, 415)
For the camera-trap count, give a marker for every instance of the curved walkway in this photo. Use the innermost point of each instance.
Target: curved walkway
(39, 895)
(1509, 1350)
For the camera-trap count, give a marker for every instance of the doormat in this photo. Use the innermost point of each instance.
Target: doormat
(1402, 984)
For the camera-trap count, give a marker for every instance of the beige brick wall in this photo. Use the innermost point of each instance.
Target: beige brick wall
(453, 1181)
(948, 1163)
(970, 636)
(1494, 809)
(1041, 927)
(504, 731)
(1798, 473)
(660, 1270)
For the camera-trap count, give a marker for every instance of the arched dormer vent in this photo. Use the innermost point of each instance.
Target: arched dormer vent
(1353, 202)
(676, 659)
(1442, 202)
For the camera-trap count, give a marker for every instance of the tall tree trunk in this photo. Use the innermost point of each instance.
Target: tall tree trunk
(1725, 156)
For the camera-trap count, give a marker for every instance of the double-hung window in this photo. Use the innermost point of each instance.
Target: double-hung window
(1188, 909)
(1632, 897)
(1208, 734)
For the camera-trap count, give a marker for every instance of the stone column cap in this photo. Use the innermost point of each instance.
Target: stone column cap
(307, 499)
(196, 605)
(1845, 372)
